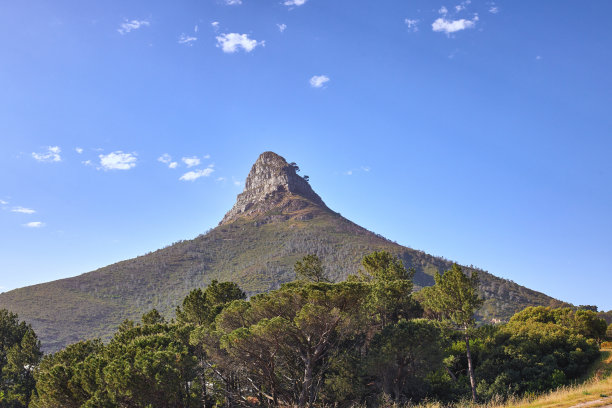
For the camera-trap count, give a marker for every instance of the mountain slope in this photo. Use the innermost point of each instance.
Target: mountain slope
(276, 221)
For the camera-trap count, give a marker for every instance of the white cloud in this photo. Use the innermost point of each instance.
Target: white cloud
(118, 161)
(294, 2)
(215, 25)
(220, 179)
(207, 156)
(233, 2)
(196, 28)
(173, 165)
(451, 26)
(128, 26)
(538, 57)
(2, 202)
(443, 10)
(494, 10)
(231, 42)
(78, 150)
(187, 39)
(412, 24)
(462, 5)
(349, 172)
(237, 183)
(318, 81)
(51, 155)
(23, 210)
(281, 27)
(365, 168)
(196, 174)
(165, 158)
(34, 224)
(191, 161)
(87, 163)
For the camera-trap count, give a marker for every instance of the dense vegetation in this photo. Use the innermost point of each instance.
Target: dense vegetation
(257, 253)
(366, 340)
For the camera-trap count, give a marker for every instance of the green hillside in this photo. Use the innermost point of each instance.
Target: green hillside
(256, 246)
(258, 255)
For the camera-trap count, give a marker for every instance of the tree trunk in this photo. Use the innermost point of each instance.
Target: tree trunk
(470, 367)
(202, 380)
(307, 383)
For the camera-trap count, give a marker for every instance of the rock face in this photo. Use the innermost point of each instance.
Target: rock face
(273, 183)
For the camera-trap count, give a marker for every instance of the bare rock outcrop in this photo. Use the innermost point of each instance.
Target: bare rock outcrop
(273, 183)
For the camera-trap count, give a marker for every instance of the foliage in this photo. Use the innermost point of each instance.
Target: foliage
(455, 297)
(19, 354)
(307, 344)
(310, 268)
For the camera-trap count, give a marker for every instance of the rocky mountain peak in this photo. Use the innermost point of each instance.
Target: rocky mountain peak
(271, 182)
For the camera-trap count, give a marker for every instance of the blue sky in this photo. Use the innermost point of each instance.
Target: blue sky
(479, 131)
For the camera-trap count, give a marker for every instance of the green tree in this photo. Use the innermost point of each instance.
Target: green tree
(310, 268)
(609, 333)
(19, 355)
(455, 297)
(282, 340)
(153, 317)
(200, 308)
(402, 355)
(390, 296)
(64, 379)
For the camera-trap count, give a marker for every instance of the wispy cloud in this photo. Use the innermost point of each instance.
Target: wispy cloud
(196, 28)
(196, 174)
(51, 155)
(187, 39)
(191, 161)
(87, 163)
(282, 27)
(23, 210)
(232, 42)
(461, 6)
(233, 2)
(494, 9)
(165, 158)
(206, 156)
(118, 161)
(290, 3)
(129, 25)
(451, 26)
(318, 81)
(78, 150)
(443, 10)
(215, 25)
(2, 202)
(34, 224)
(413, 25)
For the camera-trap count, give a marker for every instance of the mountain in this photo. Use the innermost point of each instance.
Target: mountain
(276, 220)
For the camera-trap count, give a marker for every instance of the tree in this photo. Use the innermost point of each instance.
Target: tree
(390, 298)
(403, 354)
(19, 355)
(455, 297)
(153, 317)
(200, 308)
(295, 167)
(310, 268)
(609, 333)
(282, 340)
